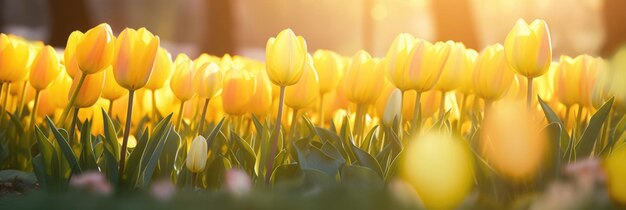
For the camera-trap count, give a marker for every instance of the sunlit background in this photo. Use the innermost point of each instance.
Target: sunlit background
(243, 26)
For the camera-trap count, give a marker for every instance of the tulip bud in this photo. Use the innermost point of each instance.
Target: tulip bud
(493, 76)
(14, 61)
(112, 91)
(452, 72)
(135, 52)
(208, 80)
(94, 52)
(285, 58)
(393, 108)
(439, 187)
(45, 68)
(181, 82)
(261, 103)
(424, 64)
(363, 78)
(90, 90)
(239, 88)
(69, 58)
(328, 67)
(305, 91)
(162, 70)
(197, 155)
(528, 48)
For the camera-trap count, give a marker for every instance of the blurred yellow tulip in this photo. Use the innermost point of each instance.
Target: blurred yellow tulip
(112, 91)
(528, 48)
(135, 52)
(45, 68)
(181, 83)
(328, 67)
(492, 75)
(261, 103)
(440, 167)
(285, 58)
(71, 64)
(162, 70)
(95, 49)
(90, 91)
(511, 141)
(616, 173)
(14, 61)
(239, 89)
(306, 90)
(208, 80)
(363, 85)
(393, 109)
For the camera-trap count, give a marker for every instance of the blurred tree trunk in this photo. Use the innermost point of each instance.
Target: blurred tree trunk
(218, 36)
(615, 29)
(454, 21)
(67, 16)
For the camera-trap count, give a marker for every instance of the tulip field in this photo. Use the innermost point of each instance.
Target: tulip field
(114, 121)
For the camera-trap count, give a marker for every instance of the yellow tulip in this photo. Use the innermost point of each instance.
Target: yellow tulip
(45, 68)
(239, 89)
(71, 64)
(328, 67)
(363, 78)
(393, 107)
(181, 82)
(285, 58)
(440, 167)
(14, 61)
(62, 84)
(454, 68)
(396, 58)
(424, 65)
(94, 51)
(528, 48)
(90, 91)
(305, 91)
(135, 52)
(616, 174)
(261, 103)
(467, 81)
(208, 80)
(567, 81)
(492, 75)
(197, 155)
(112, 91)
(162, 70)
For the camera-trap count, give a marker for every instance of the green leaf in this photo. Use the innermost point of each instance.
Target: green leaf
(552, 117)
(591, 133)
(553, 168)
(154, 158)
(312, 158)
(46, 151)
(247, 156)
(17, 123)
(287, 173)
(361, 177)
(215, 173)
(133, 164)
(87, 157)
(366, 160)
(111, 167)
(65, 147)
(168, 156)
(110, 135)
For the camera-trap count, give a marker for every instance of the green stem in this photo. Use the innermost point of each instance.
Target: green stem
(129, 115)
(276, 133)
(566, 120)
(180, 115)
(417, 112)
(4, 102)
(359, 121)
(294, 125)
(70, 104)
(529, 92)
(442, 105)
(154, 106)
(193, 181)
(321, 111)
(111, 107)
(73, 125)
(202, 119)
(459, 125)
(20, 104)
(33, 115)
